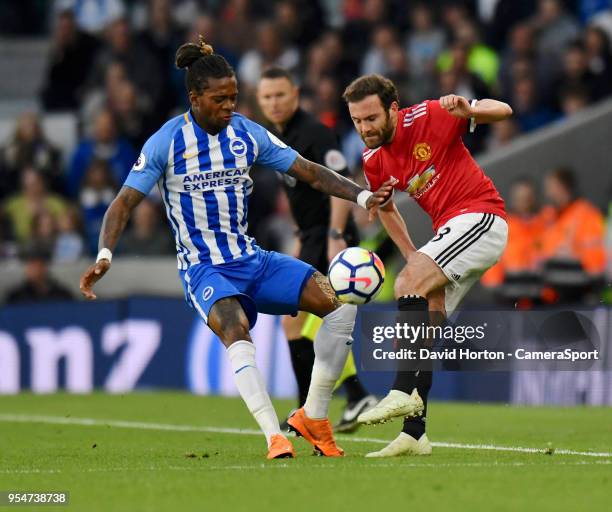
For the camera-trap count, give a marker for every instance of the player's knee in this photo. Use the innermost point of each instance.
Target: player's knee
(318, 297)
(411, 282)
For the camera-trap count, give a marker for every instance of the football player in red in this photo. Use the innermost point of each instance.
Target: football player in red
(419, 151)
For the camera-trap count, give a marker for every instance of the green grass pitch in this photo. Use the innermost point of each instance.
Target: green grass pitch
(125, 452)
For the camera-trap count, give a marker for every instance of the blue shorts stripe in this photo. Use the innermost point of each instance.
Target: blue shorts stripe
(212, 214)
(194, 233)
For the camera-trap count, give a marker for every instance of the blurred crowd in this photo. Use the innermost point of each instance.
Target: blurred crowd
(555, 252)
(111, 65)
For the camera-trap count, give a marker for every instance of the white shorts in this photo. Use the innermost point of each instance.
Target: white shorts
(464, 248)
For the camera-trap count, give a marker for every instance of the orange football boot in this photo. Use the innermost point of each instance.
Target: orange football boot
(317, 432)
(280, 448)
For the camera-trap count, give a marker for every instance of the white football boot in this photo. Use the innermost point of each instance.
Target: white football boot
(404, 445)
(395, 404)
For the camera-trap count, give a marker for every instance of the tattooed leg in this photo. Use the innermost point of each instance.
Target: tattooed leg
(332, 342)
(318, 296)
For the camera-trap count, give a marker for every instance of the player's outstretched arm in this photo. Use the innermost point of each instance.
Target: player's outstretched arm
(396, 228)
(332, 183)
(115, 220)
(484, 111)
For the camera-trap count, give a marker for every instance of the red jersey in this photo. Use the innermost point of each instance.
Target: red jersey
(431, 164)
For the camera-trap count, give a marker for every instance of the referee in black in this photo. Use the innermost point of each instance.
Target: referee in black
(325, 225)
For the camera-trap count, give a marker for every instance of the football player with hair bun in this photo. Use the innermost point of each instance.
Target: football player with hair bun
(200, 160)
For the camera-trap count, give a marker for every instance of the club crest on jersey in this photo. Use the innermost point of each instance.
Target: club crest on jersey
(208, 292)
(421, 182)
(422, 151)
(238, 147)
(140, 163)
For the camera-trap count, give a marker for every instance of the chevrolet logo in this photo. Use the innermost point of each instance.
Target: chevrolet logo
(420, 180)
(187, 156)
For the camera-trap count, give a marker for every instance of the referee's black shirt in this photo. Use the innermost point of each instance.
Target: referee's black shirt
(316, 142)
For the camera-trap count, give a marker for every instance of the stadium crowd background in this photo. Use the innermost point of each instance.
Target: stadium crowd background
(111, 65)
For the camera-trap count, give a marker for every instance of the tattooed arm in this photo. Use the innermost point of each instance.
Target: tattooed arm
(332, 183)
(115, 220)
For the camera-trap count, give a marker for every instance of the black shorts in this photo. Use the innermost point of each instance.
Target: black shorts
(314, 245)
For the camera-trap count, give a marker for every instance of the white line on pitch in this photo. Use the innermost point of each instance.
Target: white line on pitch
(276, 465)
(93, 422)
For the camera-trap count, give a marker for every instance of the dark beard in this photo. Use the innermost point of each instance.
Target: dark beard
(386, 134)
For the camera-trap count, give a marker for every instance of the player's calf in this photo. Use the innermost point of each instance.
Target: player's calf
(332, 342)
(228, 320)
(331, 346)
(408, 397)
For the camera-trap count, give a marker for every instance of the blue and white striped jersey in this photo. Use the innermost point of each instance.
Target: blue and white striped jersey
(205, 184)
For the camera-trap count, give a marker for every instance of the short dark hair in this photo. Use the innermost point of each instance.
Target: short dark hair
(277, 72)
(201, 64)
(372, 84)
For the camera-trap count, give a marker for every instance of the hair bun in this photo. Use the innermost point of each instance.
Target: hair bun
(205, 48)
(188, 53)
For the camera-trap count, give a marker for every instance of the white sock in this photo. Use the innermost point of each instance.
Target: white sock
(252, 388)
(331, 346)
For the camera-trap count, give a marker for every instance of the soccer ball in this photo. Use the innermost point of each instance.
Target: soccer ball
(356, 275)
